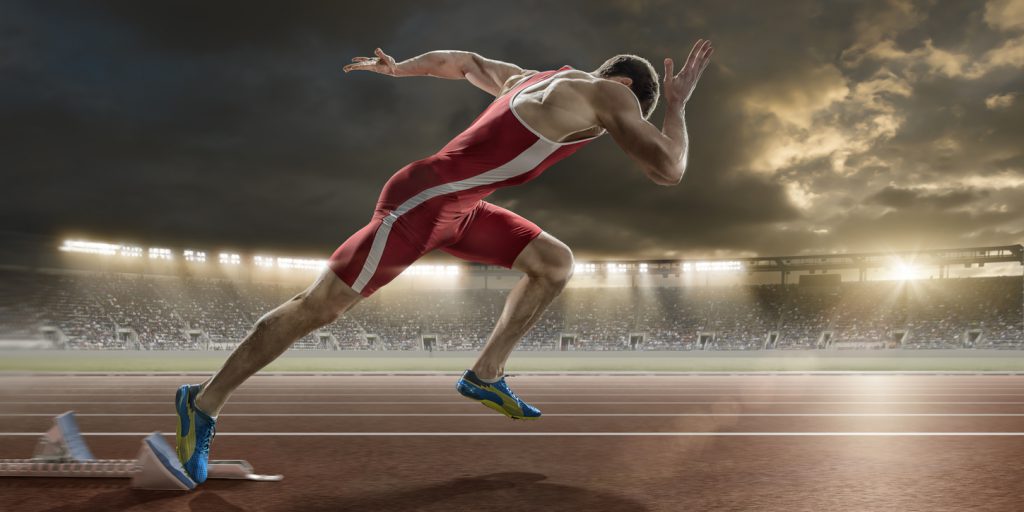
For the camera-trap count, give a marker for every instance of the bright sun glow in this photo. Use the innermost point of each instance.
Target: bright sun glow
(904, 272)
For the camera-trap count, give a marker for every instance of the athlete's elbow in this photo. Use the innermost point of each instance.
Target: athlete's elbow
(673, 180)
(669, 174)
(470, 62)
(668, 181)
(668, 169)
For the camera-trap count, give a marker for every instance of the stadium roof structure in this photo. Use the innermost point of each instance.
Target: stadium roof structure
(935, 258)
(36, 252)
(941, 258)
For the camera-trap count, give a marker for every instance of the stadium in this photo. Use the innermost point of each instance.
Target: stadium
(585, 255)
(106, 296)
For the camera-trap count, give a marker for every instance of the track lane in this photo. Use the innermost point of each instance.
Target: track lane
(566, 473)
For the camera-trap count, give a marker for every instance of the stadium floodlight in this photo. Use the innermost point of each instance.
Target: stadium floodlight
(617, 268)
(263, 261)
(196, 256)
(90, 247)
(230, 258)
(431, 270)
(160, 253)
(300, 263)
(643, 268)
(717, 266)
(130, 251)
(586, 268)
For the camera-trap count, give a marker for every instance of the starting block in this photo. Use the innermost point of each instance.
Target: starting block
(62, 452)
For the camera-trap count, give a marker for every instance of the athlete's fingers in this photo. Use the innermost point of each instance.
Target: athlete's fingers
(703, 48)
(707, 59)
(707, 51)
(360, 59)
(693, 52)
(367, 65)
(700, 54)
(698, 63)
(669, 67)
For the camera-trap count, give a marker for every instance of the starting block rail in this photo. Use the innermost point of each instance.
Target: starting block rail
(63, 453)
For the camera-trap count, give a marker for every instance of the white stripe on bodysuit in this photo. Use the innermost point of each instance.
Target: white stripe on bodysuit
(527, 161)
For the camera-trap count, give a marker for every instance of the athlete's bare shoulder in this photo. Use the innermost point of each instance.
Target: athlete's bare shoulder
(608, 95)
(600, 92)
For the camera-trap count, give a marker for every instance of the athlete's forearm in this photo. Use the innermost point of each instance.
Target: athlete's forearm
(674, 128)
(449, 64)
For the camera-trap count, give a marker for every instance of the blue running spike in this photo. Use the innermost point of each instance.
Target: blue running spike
(497, 396)
(195, 432)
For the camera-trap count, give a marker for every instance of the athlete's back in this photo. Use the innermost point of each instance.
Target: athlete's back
(537, 119)
(498, 149)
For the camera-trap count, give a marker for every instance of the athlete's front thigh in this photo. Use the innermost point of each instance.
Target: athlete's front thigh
(376, 254)
(493, 235)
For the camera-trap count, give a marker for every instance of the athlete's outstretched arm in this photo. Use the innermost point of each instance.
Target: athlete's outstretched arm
(489, 75)
(661, 154)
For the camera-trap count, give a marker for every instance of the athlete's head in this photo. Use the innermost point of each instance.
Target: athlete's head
(636, 73)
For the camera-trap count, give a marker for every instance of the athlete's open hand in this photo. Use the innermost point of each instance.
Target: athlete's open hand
(679, 87)
(382, 63)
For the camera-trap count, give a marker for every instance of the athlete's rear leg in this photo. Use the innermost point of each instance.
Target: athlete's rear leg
(547, 264)
(198, 405)
(320, 304)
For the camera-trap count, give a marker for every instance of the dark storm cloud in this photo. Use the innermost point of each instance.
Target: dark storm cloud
(903, 198)
(820, 126)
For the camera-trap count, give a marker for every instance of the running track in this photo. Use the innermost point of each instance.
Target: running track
(622, 443)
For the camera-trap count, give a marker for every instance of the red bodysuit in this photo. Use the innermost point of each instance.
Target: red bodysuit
(437, 202)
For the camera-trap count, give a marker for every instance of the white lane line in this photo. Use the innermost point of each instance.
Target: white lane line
(467, 402)
(295, 374)
(562, 434)
(525, 385)
(449, 393)
(518, 384)
(546, 415)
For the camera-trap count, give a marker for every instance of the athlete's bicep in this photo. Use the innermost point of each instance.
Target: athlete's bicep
(488, 74)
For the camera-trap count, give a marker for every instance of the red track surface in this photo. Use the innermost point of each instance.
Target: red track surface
(833, 469)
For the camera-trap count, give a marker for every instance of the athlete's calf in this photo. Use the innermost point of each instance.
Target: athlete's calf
(274, 332)
(548, 265)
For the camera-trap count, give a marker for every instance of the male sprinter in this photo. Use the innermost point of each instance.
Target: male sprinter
(537, 119)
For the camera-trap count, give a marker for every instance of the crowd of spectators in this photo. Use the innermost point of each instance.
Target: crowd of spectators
(118, 311)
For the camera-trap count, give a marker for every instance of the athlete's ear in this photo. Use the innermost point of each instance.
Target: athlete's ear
(624, 80)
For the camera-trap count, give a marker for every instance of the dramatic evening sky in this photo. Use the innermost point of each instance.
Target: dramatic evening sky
(820, 125)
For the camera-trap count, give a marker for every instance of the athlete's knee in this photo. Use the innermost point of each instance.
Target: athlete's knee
(327, 298)
(323, 311)
(551, 261)
(317, 309)
(560, 271)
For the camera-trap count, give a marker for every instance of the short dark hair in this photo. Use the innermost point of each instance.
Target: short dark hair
(646, 85)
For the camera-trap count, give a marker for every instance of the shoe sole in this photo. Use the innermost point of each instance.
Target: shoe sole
(178, 408)
(499, 408)
(491, 404)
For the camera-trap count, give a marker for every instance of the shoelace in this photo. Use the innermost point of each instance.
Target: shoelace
(204, 446)
(509, 391)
